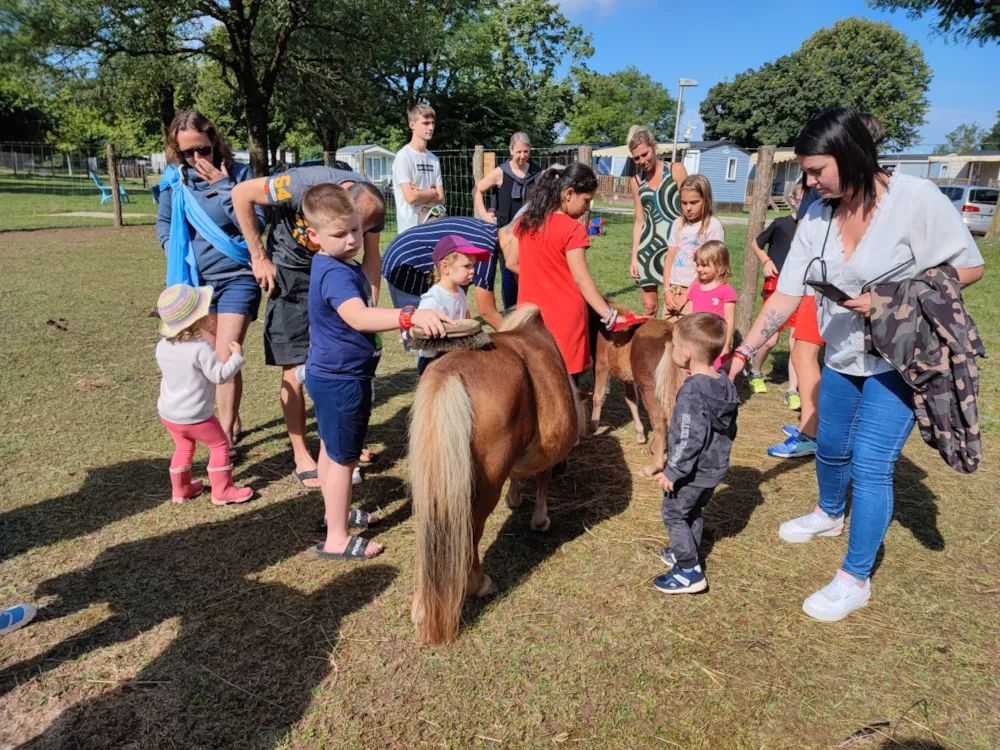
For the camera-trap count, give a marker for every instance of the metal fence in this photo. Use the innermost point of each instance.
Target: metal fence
(47, 169)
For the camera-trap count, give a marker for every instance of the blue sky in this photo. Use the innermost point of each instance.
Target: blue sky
(719, 40)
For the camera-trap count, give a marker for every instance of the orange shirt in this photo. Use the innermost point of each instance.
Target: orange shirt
(545, 280)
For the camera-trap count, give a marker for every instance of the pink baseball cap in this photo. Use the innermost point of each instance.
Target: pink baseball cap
(452, 243)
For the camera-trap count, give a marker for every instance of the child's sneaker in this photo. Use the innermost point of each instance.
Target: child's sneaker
(16, 617)
(680, 581)
(804, 528)
(790, 430)
(794, 446)
(793, 400)
(838, 599)
(757, 384)
(668, 557)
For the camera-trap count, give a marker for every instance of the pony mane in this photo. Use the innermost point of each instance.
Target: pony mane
(522, 314)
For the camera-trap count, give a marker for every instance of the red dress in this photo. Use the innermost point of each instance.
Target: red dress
(544, 279)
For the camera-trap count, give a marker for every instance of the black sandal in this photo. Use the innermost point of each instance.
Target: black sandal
(356, 519)
(355, 550)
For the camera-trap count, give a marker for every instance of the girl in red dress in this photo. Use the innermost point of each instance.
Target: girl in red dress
(552, 260)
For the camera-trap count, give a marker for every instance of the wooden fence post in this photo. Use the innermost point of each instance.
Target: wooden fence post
(116, 197)
(361, 163)
(585, 156)
(758, 213)
(478, 164)
(994, 232)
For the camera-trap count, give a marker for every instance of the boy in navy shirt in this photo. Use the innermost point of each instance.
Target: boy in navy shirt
(344, 353)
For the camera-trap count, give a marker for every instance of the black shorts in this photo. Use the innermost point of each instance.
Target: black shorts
(286, 321)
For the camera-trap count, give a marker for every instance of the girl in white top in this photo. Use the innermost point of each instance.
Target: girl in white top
(869, 228)
(455, 261)
(696, 226)
(191, 370)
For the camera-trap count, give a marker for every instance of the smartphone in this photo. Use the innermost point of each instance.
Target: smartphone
(830, 291)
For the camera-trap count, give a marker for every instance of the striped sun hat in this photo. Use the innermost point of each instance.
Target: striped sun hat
(181, 306)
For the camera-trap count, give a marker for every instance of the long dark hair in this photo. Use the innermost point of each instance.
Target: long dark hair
(546, 194)
(841, 133)
(192, 119)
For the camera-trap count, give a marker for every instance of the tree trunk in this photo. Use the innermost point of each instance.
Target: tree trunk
(755, 225)
(69, 163)
(165, 97)
(329, 137)
(275, 148)
(257, 118)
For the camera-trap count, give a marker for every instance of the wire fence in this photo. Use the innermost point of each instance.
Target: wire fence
(45, 168)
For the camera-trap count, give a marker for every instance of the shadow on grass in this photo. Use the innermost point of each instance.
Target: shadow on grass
(248, 654)
(596, 486)
(108, 494)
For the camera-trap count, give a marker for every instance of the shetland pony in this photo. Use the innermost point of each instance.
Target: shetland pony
(641, 357)
(478, 418)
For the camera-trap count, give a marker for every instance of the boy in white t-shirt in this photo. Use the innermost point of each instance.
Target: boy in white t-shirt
(416, 172)
(455, 261)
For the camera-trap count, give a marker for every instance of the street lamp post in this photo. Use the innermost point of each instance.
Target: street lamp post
(680, 98)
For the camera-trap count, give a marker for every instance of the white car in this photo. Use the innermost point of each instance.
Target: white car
(976, 204)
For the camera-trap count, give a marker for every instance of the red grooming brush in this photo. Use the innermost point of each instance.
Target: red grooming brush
(628, 320)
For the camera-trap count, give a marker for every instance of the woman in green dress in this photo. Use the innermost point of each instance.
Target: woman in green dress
(656, 193)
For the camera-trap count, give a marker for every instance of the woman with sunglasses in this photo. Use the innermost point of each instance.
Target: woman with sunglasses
(202, 162)
(869, 227)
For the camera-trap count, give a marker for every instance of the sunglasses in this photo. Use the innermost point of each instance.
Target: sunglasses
(201, 151)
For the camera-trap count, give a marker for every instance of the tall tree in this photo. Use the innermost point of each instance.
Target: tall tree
(606, 105)
(962, 139)
(991, 141)
(856, 63)
(971, 20)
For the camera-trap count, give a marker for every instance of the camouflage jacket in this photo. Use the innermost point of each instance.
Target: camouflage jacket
(921, 327)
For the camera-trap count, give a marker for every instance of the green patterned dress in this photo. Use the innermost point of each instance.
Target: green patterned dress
(659, 209)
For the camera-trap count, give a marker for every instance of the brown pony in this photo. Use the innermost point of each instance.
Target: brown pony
(640, 357)
(478, 418)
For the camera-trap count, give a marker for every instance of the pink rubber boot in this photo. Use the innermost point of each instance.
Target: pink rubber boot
(183, 488)
(224, 492)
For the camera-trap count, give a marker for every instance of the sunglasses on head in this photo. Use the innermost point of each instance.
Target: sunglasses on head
(201, 151)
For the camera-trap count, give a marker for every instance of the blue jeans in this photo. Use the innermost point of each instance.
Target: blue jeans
(508, 285)
(863, 424)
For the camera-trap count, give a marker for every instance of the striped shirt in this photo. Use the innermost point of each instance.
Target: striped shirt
(407, 262)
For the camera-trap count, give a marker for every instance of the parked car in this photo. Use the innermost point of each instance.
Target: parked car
(975, 203)
(313, 163)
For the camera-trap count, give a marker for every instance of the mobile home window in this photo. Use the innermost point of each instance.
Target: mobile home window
(373, 168)
(944, 170)
(731, 169)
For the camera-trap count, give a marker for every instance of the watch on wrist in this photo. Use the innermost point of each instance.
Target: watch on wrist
(406, 317)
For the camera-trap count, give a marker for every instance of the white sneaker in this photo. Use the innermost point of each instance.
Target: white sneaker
(838, 599)
(815, 524)
(356, 477)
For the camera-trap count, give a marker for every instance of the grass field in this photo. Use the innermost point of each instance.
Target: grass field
(192, 626)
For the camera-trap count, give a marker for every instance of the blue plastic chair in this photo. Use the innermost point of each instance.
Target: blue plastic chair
(106, 190)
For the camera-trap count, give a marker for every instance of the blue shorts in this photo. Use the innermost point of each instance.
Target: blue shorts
(342, 411)
(239, 295)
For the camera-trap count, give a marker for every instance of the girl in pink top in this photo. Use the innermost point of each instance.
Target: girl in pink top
(710, 293)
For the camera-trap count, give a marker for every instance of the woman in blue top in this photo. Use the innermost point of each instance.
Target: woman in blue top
(204, 163)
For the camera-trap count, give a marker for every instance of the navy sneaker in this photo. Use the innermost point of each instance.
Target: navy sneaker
(794, 446)
(790, 430)
(668, 557)
(680, 581)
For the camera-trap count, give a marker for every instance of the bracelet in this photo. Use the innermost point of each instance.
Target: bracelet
(745, 351)
(740, 356)
(610, 316)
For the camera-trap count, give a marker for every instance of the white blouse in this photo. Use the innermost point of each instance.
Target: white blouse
(915, 227)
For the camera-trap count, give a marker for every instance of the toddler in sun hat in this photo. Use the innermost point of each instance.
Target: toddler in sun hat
(190, 371)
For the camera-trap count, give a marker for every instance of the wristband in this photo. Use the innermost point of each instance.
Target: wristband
(745, 350)
(406, 317)
(609, 319)
(738, 355)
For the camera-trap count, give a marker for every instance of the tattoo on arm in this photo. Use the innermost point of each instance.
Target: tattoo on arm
(772, 322)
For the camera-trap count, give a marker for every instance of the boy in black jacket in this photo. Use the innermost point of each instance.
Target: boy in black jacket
(701, 436)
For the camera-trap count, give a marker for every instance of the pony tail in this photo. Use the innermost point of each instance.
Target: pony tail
(544, 198)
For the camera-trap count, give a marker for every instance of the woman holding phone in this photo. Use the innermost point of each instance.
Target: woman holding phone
(868, 228)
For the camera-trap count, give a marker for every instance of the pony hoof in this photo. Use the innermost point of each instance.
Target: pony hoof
(640, 438)
(542, 527)
(486, 588)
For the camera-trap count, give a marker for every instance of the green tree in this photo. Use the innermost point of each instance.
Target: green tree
(970, 20)
(991, 141)
(606, 105)
(857, 63)
(962, 139)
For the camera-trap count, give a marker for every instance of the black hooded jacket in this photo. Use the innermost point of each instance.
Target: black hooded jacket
(702, 431)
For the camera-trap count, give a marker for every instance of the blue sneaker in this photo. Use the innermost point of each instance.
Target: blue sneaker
(680, 581)
(668, 557)
(790, 430)
(15, 617)
(794, 446)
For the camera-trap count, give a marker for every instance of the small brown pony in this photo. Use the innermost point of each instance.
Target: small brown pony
(640, 357)
(478, 418)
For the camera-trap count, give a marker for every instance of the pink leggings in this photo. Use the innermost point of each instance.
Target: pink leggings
(187, 436)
